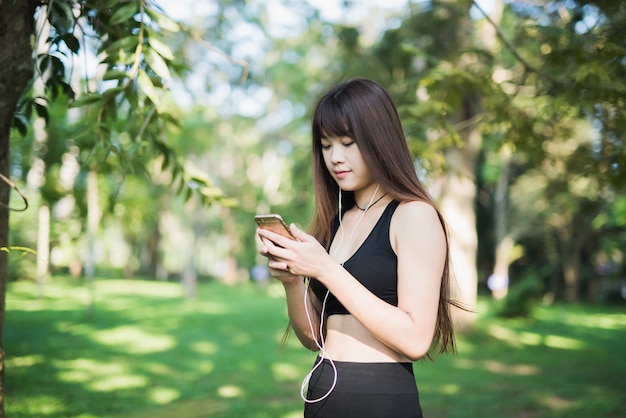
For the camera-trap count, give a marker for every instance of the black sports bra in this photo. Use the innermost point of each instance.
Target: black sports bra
(374, 265)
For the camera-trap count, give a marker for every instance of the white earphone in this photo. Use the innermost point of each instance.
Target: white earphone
(321, 344)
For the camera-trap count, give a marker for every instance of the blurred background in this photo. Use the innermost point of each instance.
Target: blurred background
(167, 125)
(514, 111)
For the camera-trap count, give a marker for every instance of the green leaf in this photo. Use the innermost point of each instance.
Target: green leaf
(111, 93)
(145, 84)
(115, 75)
(72, 42)
(161, 48)
(128, 43)
(124, 13)
(42, 111)
(157, 64)
(163, 21)
(20, 122)
(61, 16)
(86, 99)
(52, 64)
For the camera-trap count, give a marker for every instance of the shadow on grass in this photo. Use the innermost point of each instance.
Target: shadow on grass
(568, 362)
(146, 347)
(147, 352)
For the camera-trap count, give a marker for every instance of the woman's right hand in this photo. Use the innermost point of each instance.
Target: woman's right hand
(275, 267)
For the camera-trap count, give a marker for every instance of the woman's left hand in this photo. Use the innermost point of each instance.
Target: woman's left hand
(304, 257)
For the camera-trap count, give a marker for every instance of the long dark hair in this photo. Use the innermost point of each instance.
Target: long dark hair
(363, 110)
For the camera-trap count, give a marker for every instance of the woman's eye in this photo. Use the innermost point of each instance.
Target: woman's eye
(347, 144)
(324, 146)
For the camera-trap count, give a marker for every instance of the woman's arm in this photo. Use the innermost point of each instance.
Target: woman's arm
(418, 238)
(305, 323)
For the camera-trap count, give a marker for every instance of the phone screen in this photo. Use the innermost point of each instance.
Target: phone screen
(274, 223)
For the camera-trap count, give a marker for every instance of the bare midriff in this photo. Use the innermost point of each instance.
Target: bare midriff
(348, 340)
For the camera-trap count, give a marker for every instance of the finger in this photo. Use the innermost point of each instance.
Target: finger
(299, 234)
(275, 238)
(264, 250)
(273, 252)
(278, 265)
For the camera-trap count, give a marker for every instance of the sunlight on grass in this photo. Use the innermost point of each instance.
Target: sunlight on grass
(449, 389)
(138, 287)
(602, 321)
(230, 391)
(556, 403)
(211, 308)
(194, 408)
(134, 340)
(159, 369)
(494, 366)
(204, 347)
(531, 338)
(515, 369)
(24, 361)
(241, 339)
(505, 334)
(295, 414)
(43, 405)
(285, 372)
(566, 343)
(114, 383)
(149, 352)
(205, 366)
(75, 376)
(54, 298)
(164, 396)
(92, 367)
(99, 376)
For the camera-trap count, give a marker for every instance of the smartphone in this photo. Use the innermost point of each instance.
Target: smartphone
(274, 223)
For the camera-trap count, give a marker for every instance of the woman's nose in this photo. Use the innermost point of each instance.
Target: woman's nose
(336, 155)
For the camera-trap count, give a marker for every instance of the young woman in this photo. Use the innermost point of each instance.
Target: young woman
(369, 288)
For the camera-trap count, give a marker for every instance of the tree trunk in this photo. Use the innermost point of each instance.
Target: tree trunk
(93, 220)
(571, 238)
(16, 69)
(457, 205)
(499, 281)
(231, 274)
(41, 138)
(571, 275)
(43, 247)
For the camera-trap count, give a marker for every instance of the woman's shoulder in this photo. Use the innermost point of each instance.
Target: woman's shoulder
(416, 209)
(416, 217)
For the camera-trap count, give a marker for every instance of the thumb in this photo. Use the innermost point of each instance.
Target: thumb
(298, 233)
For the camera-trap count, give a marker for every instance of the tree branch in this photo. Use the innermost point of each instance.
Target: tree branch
(508, 45)
(14, 187)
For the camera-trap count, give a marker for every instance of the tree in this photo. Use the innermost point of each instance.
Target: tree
(126, 110)
(439, 75)
(562, 71)
(16, 21)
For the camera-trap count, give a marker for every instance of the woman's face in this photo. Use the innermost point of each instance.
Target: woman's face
(345, 163)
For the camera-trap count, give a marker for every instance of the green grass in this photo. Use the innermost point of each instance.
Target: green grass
(148, 352)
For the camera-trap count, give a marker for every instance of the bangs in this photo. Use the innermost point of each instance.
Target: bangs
(331, 121)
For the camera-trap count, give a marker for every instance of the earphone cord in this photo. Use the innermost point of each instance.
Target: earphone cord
(321, 344)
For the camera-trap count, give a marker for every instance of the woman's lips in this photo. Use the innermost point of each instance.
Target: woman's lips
(341, 173)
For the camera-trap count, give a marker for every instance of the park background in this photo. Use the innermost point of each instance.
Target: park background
(150, 133)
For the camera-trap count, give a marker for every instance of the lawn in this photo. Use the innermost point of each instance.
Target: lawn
(148, 352)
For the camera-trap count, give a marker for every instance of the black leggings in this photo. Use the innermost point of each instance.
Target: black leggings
(363, 390)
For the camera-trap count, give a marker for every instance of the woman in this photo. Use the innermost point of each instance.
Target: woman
(377, 260)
